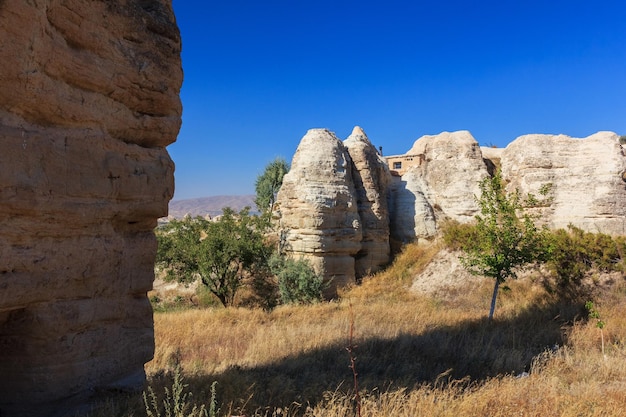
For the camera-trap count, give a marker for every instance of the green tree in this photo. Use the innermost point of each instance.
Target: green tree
(220, 253)
(268, 184)
(504, 237)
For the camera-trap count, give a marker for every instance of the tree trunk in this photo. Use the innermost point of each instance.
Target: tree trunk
(493, 299)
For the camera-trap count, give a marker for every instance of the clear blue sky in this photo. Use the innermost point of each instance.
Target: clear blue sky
(259, 74)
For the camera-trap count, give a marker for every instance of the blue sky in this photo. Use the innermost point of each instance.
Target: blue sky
(259, 74)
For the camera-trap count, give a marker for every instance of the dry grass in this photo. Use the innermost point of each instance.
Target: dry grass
(416, 356)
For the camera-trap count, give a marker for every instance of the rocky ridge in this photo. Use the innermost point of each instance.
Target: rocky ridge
(586, 178)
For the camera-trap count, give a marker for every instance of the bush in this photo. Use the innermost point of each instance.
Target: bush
(298, 283)
(575, 252)
(457, 235)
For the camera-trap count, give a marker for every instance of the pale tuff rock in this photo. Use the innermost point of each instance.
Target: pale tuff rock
(318, 208)
(88, 101)
(413, 216)
(585, 177)
(441, 186)
(371, 179)
(492, 158)
(441, 177)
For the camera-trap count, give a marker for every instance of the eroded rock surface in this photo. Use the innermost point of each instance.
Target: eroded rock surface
(88, 102)
(441, 186)
(318, 208)
(585, 177)
(371, 179)
(412, 214)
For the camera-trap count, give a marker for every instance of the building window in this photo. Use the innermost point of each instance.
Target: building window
(397, 165)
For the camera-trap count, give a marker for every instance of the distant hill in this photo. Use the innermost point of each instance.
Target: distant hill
(210, 205)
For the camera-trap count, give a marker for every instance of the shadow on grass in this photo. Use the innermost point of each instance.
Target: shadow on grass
(473, 351)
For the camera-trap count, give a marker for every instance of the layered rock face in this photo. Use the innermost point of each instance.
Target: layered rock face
(412, 214)
(585, 177)
(442, 186)
(371, 181)
(88, 102)
(318, 198)
(319, 215)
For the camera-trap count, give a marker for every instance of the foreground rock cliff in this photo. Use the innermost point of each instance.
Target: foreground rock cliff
(343, 206)
(88, 102)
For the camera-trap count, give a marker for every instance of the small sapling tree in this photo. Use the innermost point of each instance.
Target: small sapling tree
(220, 253)
(504, 238)
(595, 314)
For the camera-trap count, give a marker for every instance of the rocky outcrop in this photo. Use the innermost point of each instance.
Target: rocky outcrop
(88, 102)
(442, 186)
(584, 176)
(492, 157)
(412, 214)
(371, 180)
(318, 208)
(344, 219)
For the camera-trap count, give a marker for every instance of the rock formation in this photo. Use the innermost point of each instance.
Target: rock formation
(318, 208)
(439, 180)
(412, 214)
(88, 102)
(371, 180)
(585, 178)
(344, 219)
(441, 186)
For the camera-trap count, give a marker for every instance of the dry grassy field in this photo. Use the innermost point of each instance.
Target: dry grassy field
(415, 354)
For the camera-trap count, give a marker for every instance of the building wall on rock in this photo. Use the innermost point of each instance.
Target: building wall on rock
(399, 164)
(88, 102)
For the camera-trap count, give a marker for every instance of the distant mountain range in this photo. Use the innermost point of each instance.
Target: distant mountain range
(210, 205)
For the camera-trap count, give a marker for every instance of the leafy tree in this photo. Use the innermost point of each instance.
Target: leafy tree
(504, 238)
(268, 184)
(298, 283)
(220, 253)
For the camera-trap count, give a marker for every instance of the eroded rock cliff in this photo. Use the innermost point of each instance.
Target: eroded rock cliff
(441, 186)
(371, 180)
(436, 180)
(585, 179)
(318, 208)
(88, 102)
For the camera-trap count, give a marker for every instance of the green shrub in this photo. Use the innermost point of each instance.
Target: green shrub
(298, 283)
(457, 235)
(575, 252)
